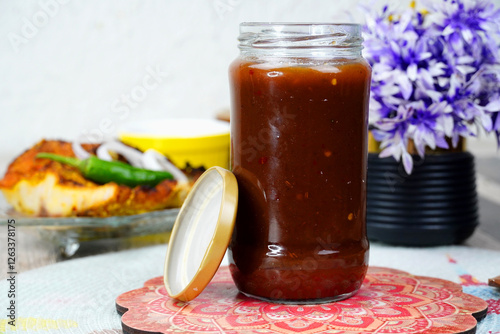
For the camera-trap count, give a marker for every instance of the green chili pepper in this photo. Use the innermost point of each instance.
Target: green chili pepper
(102, 171)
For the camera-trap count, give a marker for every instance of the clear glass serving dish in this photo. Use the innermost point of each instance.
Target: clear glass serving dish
(68, 233)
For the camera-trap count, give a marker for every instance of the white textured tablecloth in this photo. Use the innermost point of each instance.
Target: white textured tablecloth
(78, 296)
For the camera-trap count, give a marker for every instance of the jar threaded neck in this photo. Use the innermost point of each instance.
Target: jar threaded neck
(294, 38)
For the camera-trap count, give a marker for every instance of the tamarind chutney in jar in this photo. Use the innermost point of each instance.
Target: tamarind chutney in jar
(299, 118)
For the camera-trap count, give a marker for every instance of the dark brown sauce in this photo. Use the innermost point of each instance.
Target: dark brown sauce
(298, 150)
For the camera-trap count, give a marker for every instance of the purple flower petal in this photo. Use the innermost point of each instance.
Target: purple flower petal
(454, 139)
(426, 78)
(487, 122)
(437, 69)
(447, 125)
(405, 85)
(407, 162)
(493, 106)
(435, 96)
(388, 152)
(388, 90)
(496, 126)
(448, 31)
(465, 60)
(423, 56)
(428, 138)
(464, 69)
(456, 42)
(467, 35)
(411, 71)
(443, 82)
(442, 143)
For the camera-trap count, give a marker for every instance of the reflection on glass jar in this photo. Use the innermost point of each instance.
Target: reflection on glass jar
(299, 149)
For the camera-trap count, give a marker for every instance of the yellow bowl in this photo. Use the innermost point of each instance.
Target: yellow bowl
(197, 142)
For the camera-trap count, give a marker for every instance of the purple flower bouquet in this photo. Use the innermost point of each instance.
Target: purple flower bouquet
(436, 75)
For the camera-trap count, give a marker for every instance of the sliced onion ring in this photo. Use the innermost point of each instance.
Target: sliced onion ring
(133, 156)
(154, 160)
(79, 151)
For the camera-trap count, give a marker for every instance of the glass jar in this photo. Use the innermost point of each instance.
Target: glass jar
(299, 128)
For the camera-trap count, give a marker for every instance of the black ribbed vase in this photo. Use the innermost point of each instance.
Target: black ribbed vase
(436, 205)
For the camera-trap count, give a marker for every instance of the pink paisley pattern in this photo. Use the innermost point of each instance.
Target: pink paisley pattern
(390, 301)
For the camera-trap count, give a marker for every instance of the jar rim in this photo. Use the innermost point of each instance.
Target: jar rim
(297, 24)
(300, 35)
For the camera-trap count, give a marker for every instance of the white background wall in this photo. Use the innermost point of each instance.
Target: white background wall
(67, 66)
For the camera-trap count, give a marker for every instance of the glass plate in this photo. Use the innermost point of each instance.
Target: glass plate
(69, 232)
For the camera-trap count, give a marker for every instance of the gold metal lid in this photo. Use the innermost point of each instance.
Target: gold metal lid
(201, 234)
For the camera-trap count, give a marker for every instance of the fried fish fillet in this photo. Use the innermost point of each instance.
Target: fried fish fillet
(45, 188)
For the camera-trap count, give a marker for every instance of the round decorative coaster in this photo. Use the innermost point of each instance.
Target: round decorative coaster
(390, 301)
